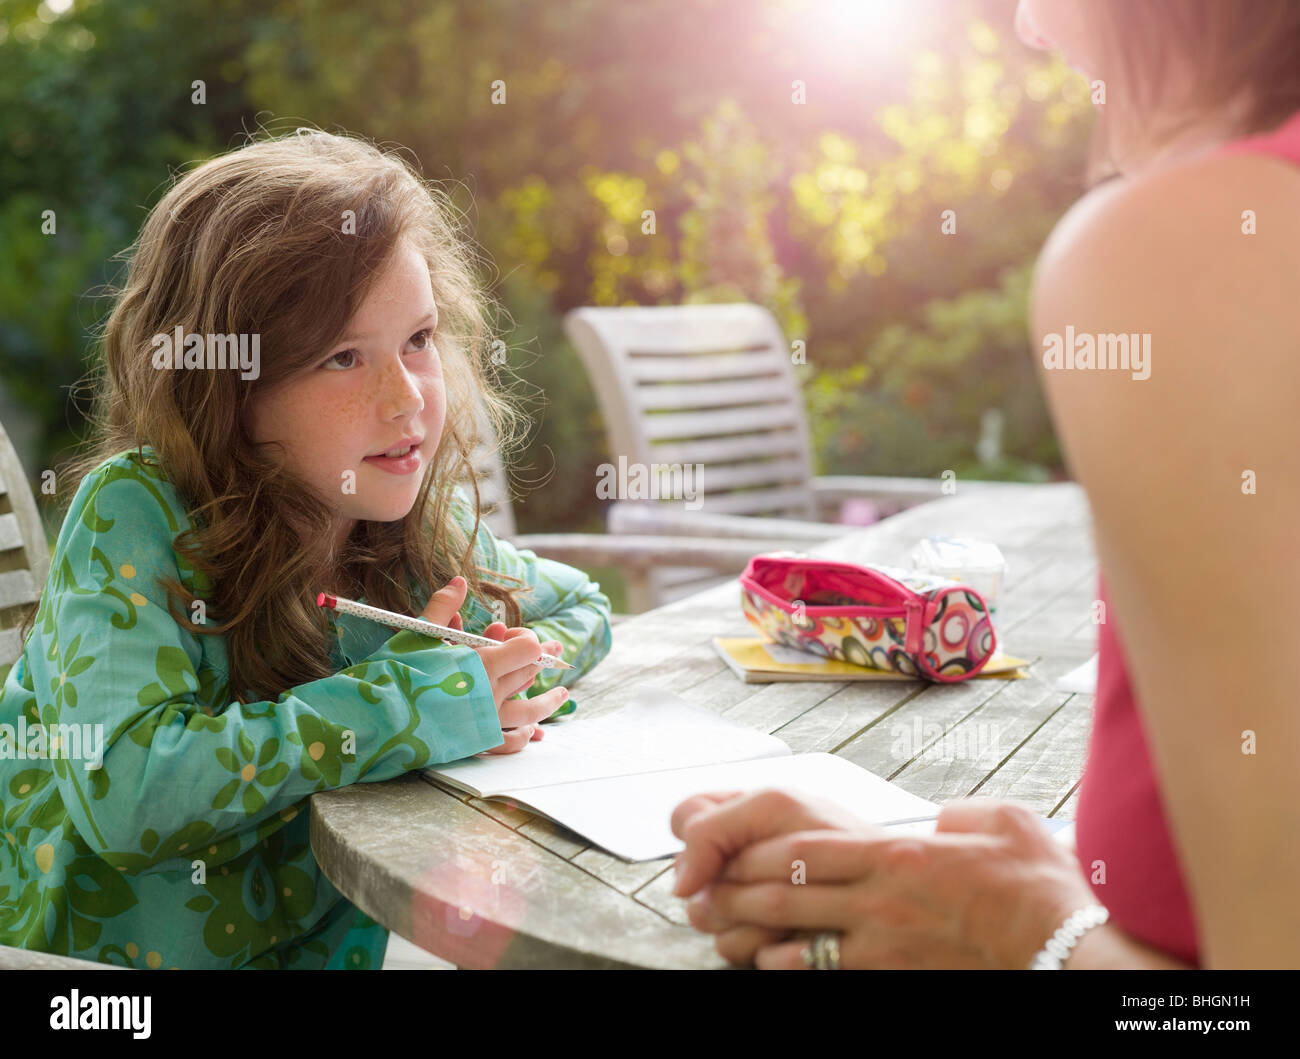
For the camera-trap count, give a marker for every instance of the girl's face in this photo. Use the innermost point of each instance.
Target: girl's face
(1061, 25)
(378, 388)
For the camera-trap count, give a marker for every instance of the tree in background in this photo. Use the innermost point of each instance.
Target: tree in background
(794, 154)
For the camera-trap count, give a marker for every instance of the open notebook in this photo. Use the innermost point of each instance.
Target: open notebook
(616, 778)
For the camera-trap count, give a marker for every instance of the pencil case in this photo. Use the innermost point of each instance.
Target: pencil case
(931, 628)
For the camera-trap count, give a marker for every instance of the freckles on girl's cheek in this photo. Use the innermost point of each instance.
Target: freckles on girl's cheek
(344, 409)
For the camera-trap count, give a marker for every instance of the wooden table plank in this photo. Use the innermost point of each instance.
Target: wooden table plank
(845, 715)
(1070, 807)
(625, 877)
(658, 894)
(507, 812)
(458, 884)
(964, 754)
(773, 706)
(1046, 768)
(1030, 599)
(554, 837)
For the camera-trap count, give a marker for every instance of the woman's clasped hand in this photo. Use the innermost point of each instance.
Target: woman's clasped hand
(766, 871)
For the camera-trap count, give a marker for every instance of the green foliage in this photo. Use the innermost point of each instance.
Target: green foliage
(828, 212)
(915, 404)
(558, 460)
(95, 110)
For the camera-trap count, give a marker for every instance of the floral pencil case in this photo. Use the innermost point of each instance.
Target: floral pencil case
(930, 628)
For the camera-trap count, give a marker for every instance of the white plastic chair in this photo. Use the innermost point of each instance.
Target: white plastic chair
(637, 555)
(714, 385)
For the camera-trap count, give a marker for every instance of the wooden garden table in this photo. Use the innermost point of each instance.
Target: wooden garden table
(487, 884)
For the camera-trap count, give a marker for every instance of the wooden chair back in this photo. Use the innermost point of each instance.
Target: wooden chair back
(24, 552)
(709, 385)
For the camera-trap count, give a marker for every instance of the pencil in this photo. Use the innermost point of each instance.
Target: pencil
(425, 628)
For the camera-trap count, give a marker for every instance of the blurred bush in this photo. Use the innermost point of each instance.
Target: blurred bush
(831, 212)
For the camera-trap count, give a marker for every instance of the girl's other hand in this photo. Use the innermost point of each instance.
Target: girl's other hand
(511, 668)
(498, 631)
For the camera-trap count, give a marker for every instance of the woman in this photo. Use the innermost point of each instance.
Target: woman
(1189, 806)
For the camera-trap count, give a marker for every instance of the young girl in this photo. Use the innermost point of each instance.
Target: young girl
(1189, 804)
(178, 637)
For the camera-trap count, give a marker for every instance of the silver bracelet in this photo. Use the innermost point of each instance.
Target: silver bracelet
(1067, 935)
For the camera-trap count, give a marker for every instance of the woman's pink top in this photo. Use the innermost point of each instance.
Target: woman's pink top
(1120, 827)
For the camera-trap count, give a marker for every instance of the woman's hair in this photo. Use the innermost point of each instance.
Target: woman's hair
(1246, 60)
(283, 238)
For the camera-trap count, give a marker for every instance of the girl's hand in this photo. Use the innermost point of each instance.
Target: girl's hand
(511, 668)
(498, 631)
(986, 890)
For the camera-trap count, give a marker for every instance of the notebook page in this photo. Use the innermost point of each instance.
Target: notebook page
(1082, 680)
(657, 730)
(1061, 830)
(630, 816)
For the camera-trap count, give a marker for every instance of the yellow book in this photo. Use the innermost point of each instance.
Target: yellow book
(757, 661)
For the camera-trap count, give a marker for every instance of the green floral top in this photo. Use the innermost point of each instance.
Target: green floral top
(186, 846)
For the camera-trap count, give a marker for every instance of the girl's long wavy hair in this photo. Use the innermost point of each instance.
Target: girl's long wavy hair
(1247, 71)
(283, 238)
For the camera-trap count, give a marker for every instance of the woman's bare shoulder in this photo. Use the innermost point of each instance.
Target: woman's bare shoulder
(1203, 257)
(1216, 222)
(1195, 266)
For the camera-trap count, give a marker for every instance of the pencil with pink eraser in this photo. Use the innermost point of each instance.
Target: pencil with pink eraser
(425, 628)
